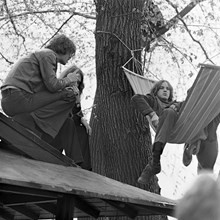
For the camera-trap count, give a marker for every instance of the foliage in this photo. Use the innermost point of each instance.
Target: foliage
(28, 25)
(192, 40)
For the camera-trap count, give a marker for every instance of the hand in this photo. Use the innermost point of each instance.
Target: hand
(87, 126)
(73, 76)
(73, 89)
(68, 70)
(154, 119)
(174, 107)
(68, 95)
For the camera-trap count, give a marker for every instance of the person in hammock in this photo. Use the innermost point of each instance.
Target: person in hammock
(163, 112)
(73, 137)
(32, 94)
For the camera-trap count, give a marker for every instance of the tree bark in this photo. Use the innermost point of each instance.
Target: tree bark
(121, 141)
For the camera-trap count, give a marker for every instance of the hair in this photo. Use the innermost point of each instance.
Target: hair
(81, 85)
(201, 201)
(61, 44)
(157, 86)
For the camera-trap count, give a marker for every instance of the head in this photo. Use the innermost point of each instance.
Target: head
(201, 201)
(63, 47)
(163, 90)
(80, 82)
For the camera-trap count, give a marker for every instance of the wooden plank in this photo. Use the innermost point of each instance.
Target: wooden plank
(26, 212)
(65, 208)
(30, 144)
(71, 180)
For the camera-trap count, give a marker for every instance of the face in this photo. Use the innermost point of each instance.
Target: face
(64, 58)
(164, 91)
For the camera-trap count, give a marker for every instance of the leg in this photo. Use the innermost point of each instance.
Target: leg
(207, 141)
(154, 166)
(166, 122)
(16, 102)
(207, 155)
(209, 148)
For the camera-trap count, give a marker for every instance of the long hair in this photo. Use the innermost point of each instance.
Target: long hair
(157, 87)
(81, 85)
(61, 44)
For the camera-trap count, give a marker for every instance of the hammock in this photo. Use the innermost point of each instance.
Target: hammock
(202, 104)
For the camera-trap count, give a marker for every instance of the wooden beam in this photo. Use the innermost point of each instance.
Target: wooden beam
(126, 209)
(12, 199)
(160, 210)
(65, 208)
(49, 207)
(28, 191)
(5, 214)
(85, 207)
(24, 210)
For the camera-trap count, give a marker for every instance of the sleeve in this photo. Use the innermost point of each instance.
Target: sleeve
(143, 103)
(48, 67)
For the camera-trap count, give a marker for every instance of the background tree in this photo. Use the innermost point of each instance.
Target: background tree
(120, 148)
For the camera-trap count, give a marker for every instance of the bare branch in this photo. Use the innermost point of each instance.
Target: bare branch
(8, 61)
(48, 11)
(12, 21)
(187, 29)
(65, 22)
(175, 19)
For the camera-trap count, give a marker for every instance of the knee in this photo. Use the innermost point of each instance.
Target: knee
(169, 112)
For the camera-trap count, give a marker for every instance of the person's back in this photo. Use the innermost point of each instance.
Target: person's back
(27, 72)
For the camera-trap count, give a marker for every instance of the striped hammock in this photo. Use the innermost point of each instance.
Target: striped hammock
(202, 104)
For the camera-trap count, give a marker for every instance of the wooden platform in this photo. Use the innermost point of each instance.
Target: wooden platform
(28, 144)
(31, 188)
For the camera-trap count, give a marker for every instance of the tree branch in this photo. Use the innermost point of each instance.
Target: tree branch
(12, 21)
(65, 22)
(8, 61)
(48, 11)
(177, 17)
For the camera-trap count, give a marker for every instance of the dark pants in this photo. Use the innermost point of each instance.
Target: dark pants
(209, 147)
(46, 108)
(16, 101)
(166, 124)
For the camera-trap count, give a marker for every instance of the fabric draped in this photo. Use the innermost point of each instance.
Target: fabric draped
(201, 106)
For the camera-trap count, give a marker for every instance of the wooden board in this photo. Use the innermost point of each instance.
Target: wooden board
(72, 180)
(30, 144)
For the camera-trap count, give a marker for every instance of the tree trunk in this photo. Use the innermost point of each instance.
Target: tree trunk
(121, 141)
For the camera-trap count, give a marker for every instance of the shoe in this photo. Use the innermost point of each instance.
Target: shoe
(187, 155)
(189, 150)
(149, 171)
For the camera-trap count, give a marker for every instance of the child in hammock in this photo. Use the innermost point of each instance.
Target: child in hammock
(163, 112)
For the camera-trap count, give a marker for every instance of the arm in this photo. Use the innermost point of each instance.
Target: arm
(48, 67)
(143, 103)
(70, 69)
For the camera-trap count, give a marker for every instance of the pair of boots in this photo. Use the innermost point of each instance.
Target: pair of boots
(154, 166)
